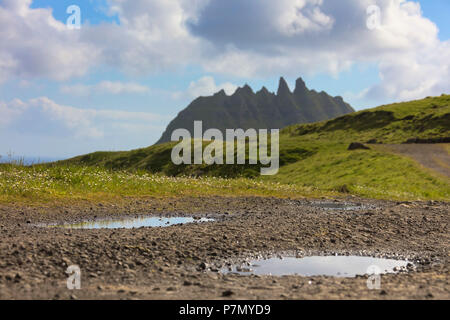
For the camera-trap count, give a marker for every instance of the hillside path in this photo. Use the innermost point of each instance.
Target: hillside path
(432, 156)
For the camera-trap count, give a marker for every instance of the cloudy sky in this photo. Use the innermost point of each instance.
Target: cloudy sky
(116, 82)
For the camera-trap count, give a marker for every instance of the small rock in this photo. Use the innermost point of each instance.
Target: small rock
(227, 293)
(357, 146)
(203, 266)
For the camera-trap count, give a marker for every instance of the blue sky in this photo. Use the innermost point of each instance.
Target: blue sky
(116, 83)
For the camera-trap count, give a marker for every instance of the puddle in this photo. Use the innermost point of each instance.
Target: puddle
(336, 266)
(131, 223)
(339, 206)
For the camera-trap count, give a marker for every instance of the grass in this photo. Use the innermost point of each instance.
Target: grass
(41, 183)
(371, 173)
(314, 162)
(395, 123)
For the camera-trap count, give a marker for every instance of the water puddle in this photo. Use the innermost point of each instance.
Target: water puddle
(336, 266)
(340, 206)
(131, 223)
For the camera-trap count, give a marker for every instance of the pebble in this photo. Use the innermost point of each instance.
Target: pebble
(227, 293)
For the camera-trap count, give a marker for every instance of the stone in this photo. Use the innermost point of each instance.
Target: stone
(227, 293)
(357, 146)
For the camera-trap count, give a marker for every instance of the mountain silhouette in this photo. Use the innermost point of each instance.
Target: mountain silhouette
(246, 109)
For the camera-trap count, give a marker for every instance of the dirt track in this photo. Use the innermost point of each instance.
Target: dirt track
(431, 156)
(180, 262)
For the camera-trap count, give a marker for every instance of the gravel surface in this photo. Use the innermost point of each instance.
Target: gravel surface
(182, 261)
(431, 156)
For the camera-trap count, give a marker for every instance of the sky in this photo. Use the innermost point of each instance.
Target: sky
(115, 82)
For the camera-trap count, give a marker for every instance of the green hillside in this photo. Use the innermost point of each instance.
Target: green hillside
(316, 155)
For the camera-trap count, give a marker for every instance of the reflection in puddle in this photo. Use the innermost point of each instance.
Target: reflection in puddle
(339, 206)
(131, 223)
(336, 266)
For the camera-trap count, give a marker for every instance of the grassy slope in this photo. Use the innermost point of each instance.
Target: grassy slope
(370, 173)
(314, 159)
(375, 172)
(395, 123)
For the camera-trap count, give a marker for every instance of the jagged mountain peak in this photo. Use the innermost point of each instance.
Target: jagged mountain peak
(220, 93)
(264, 91)
(283, 87)
(300, 86)
(246, 89)
(246, 109)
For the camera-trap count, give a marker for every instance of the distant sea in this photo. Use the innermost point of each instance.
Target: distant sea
(28, 160)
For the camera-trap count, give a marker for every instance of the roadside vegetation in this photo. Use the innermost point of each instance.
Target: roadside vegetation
(42, 183)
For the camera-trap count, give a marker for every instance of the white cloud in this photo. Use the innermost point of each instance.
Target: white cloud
(416, 74)
(110, 87)
(412, 61)
(253, 38)
(10, 111)
(299, 16)
(120, 87)
(45, 117)
(205, 86)
(34, 44)
(152, 35)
